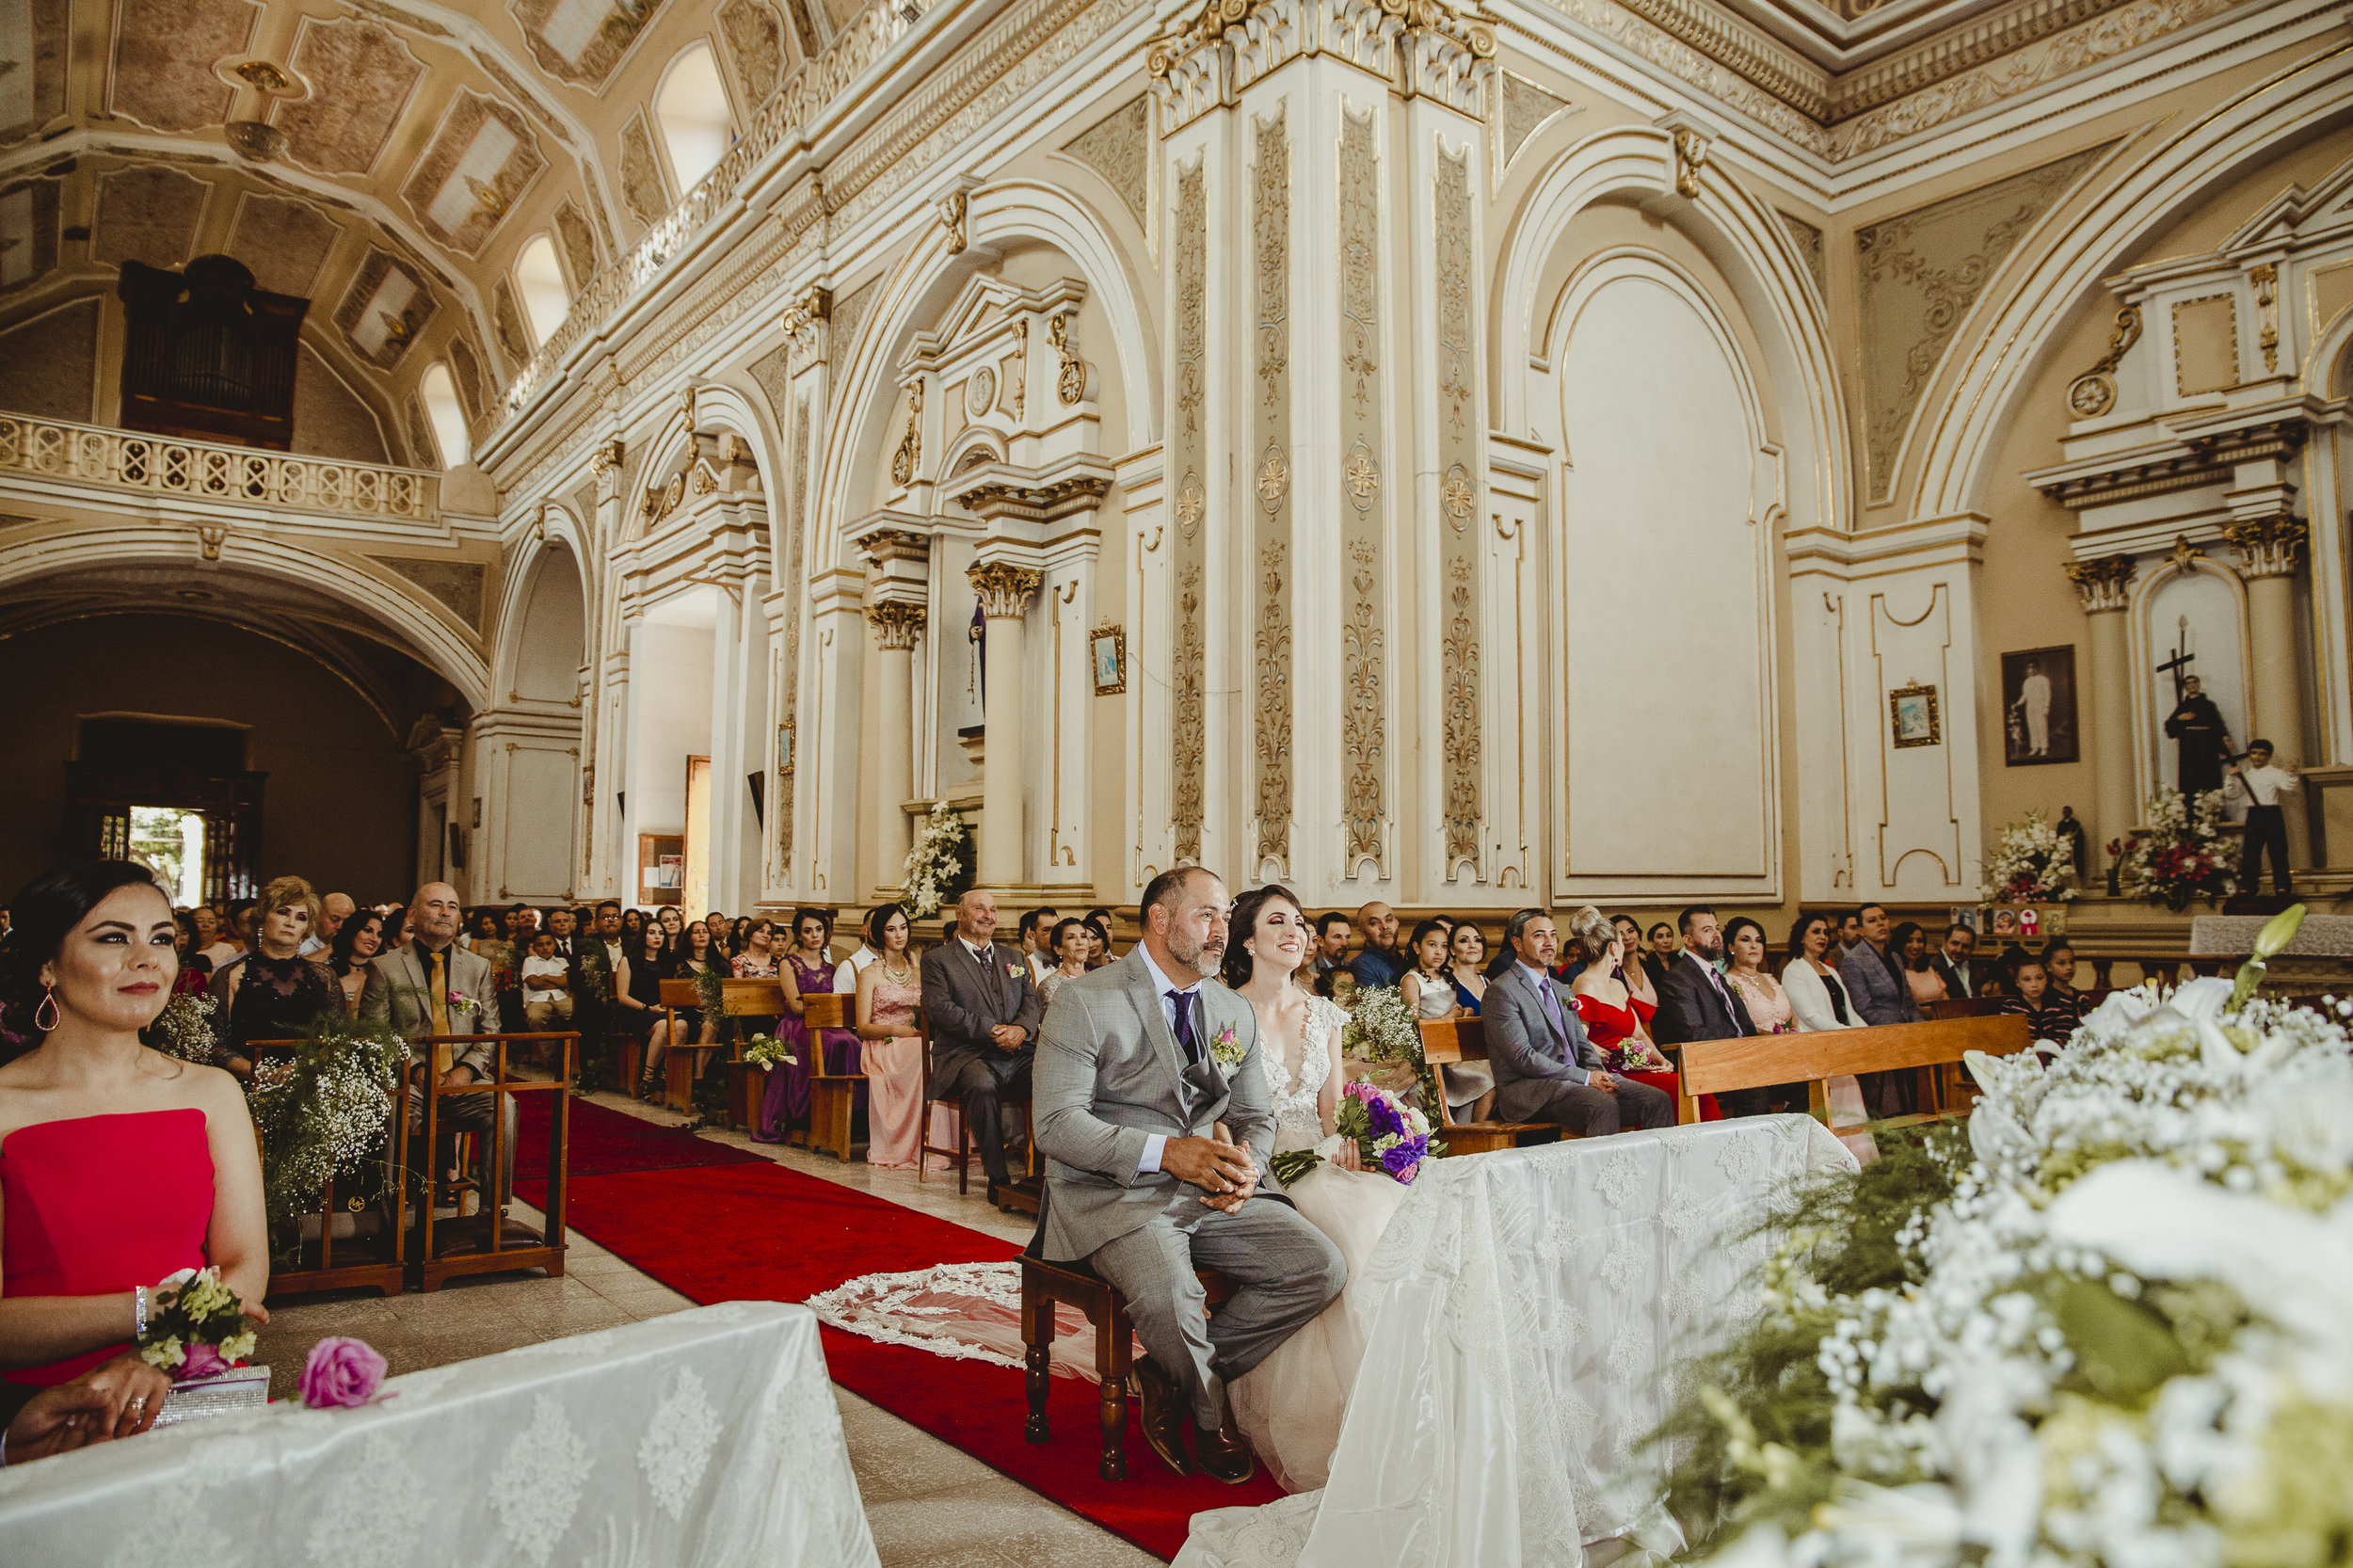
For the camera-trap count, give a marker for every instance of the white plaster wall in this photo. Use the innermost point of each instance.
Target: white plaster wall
(548, 655)
(670, 680)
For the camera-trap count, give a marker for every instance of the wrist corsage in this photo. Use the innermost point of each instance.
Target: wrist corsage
(196, 1326)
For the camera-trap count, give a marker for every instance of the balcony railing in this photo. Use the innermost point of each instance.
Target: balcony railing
(209, 470)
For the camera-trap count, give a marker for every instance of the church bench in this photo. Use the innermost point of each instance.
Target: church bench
(1449, 1042)
(1816, 1056)
(680, 1065)
(832, 1098)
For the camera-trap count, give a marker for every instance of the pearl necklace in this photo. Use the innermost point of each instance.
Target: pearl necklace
(896, 976)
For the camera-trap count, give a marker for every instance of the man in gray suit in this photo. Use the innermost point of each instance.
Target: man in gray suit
(983, 1014)
(1874, 977)
(1138, 1063)
(433, 986)
(1545, 1069)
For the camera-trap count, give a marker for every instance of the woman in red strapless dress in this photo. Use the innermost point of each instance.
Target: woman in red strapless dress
(1616, 1020)
(119, 1166)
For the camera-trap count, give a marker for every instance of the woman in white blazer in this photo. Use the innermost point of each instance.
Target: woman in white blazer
(1819, 1000)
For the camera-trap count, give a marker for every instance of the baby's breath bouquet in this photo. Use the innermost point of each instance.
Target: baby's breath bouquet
(2029, 862)
(184, 1028)
(2107, 1327)
(196, 1326)
(938, 868)
(1380, 1028)
(321, 1110)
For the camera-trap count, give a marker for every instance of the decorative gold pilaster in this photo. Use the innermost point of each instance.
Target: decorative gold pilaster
(790, 553)
(2102, 583)
(910, 452)
(1364, 714)
(1188, 741)
(1458, 505)
(1690, 159)
(1270, 420)
(2264, 280)
(2267, 546)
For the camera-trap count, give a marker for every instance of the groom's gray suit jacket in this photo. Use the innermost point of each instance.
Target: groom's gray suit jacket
(1110, 1074)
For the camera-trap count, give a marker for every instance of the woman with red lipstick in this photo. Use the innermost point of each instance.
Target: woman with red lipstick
(118, 1165)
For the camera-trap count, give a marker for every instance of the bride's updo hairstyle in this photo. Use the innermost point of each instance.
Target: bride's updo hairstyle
(1244, 924)
(1593, 932)
(44, 913)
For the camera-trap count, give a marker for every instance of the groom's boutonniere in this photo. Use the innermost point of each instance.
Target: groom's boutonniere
(1227, 1047)
(1013, 969)
(458, 1001)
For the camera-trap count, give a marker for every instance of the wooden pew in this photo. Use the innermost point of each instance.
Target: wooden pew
(680, 1067)
(1446, 1042)
(1816, 1057)
(831, 1099)
(747, 999)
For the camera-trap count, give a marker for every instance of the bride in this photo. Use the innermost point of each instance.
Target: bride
(1290, 1404)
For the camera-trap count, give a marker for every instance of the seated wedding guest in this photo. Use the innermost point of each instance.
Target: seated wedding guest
(740, 932)
(1468, 951)
(1034, 941)
(482, 926)
(805, 971)
(120, 1399)
(334, 909)
(1427, 987)
(273, 992)
(2058, 962)
(1768, 1004)
(1955, 963)
(433, 986)
(1330, 955)
(1616, 1020)
(521, 921)
(1910, 943)
(2048, 1019)
(396, 928)
(1545, 1068)
(1849, 934)
(1874, 972)
(207, 924)
(546, 980)
(236, 933)
(354, 947)
(1633, 969)
(983, 1014)
(1662, 950)
(119, 1166)
(1818, 999)
(673, 924)
(845, 974)
(890, 992)
(561, 924)
(1099, 941)
(637, 994)
(1074, 944)
(196, 970)
(632, 924)
(692, 958)
(1380, 963)
(1696, 1003)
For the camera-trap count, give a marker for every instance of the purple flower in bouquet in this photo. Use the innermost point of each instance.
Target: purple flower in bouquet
(1403, 1162)
(199, 1360)
(340, 1373)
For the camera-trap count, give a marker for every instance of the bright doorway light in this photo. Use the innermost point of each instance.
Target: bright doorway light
(170, 842)
(692, 108)
(546, 299)
(447, 414)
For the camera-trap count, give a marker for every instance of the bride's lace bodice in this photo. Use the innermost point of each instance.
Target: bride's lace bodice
(1297, 1125)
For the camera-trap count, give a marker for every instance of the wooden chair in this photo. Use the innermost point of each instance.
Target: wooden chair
(746, 1084)
(1044, 1285)
(379, 1263)
(1965, 1007)
(490, 1242)
(1446, 1042)
(831, 1096)
(680, 1065)
(1815, 1057)
(924, 1147)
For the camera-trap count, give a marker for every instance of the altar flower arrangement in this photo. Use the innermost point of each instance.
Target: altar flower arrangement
(1380, 1028)
(340, 1373)
(2030, 862)
(938, 868)
(2106, 1325)
(1391, 1137)
(765, 1051)
(2178, 855)
(321, 1110)
(184, 1028)
(196, 1326)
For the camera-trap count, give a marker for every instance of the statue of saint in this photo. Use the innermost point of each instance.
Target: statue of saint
(2196, 724)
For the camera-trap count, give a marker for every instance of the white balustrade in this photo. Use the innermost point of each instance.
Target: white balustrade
(211, 471)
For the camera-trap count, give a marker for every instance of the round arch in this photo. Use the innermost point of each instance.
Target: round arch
(2301, 101)
(1748, 244)
(433, 636)
(519, 626)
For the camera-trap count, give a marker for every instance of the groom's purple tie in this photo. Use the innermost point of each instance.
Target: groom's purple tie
(1186, 1001)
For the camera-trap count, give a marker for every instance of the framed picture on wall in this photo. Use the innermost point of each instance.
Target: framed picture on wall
(1911, 714)
(2039, 707)
(661, 868)
(1108, 646)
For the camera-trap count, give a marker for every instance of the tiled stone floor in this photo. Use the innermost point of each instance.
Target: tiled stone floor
(928, 1503)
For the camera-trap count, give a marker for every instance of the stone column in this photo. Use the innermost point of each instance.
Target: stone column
(2270, 550)
(896, 627)
(1006, 592)
(2104, 585)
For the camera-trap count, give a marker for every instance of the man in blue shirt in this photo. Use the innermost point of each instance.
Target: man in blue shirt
(1380, 963)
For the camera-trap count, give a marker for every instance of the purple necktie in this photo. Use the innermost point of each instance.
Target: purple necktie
(1185, 1001)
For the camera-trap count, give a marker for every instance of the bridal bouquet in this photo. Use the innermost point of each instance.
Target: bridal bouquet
(2104, 1327)
(765, 1051)
(196, 1327)
(1390, 1136)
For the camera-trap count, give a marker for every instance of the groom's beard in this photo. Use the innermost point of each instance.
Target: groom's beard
(1203, 959)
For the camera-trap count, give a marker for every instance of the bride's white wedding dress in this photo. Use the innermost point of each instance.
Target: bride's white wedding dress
(1290, 1404)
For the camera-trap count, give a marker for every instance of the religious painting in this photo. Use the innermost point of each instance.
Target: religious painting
(1911, 714)
(1109, 647)
(2029, 923)
(2039, 707)
(1967, 915)
(2005, 921)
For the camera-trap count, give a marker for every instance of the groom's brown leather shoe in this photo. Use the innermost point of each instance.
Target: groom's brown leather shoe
(1163, 1413)
(1226, 1455)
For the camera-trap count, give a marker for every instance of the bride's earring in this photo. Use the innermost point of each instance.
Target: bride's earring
(48, 1005)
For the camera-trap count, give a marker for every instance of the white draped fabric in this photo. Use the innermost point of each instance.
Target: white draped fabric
(1531, 1307)
(706, 1437)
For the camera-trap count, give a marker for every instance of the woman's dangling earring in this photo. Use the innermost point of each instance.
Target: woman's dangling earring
(48, 1005)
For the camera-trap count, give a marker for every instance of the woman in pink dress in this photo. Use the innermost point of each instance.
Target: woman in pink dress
(1769, 1007)
(890, 992)
(118, 1165)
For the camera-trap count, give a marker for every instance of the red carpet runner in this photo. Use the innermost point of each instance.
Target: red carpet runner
(741, 1228)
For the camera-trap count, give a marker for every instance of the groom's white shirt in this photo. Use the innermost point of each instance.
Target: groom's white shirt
(1168, 990)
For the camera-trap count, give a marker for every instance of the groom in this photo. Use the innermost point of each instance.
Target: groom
(1136, 1065)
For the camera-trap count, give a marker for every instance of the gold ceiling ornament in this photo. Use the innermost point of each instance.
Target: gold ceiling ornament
(489, 196)
(2185, 555)
(1691, 158)
(911, 444)
(2101, 581)
(812, 304)
(606, 456)
(256, 141)
(952, 211)
(2265, 282)
(1471, 31)
(2093, 393)
(266, 76)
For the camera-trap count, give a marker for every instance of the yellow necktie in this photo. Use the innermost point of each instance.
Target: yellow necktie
(436, 984)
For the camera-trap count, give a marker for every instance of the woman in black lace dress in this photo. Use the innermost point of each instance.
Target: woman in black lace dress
(272, 992)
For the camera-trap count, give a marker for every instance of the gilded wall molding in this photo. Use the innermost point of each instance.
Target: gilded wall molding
(1458, 504)
(1190, 554)
(790, 553)
(1119, 148)
(1271, 438)
(1364, 713)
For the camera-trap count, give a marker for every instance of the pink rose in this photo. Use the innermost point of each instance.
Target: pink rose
(340, 1373)
(199, 1361)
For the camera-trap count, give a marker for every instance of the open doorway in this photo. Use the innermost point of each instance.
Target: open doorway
(697, 838)
(170, 842)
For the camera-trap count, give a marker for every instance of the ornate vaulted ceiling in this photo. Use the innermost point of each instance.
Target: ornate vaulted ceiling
(386, 161)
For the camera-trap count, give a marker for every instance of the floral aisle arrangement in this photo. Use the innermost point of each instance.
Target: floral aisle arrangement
(1380, 1028)
(2030, 862)
(1390, 1136)
(765, 1051)
(2105, 1326)
(938, 869)
(184, 1028)
(196, 1327)
(2178, 855)
(321, 1110)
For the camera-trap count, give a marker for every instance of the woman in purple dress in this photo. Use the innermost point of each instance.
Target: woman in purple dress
(808, 970)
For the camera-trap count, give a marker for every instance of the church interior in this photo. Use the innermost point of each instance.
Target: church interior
(1448, 458)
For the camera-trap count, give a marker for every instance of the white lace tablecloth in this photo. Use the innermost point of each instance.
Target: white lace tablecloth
(705, 1437)
(1532, 1308)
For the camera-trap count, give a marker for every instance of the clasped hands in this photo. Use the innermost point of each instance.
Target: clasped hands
(120, 1399)
(1225, 1170)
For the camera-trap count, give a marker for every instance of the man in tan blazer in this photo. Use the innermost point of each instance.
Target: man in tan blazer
(433, 986)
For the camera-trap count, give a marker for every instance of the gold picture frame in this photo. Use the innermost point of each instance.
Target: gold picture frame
(1107, 653)
(1912, 718)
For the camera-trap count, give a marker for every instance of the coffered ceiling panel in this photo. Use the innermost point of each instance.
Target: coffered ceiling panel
(384, 309)
(164, 50)
(28, 232)
(361, 76)
(577, 243)
(581, 42)
(148, 214)
(33, 41)
(481, 158)
(755, 38)
(283, 242)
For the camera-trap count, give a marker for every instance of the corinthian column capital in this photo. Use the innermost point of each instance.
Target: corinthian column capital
(2267, 546)
(2102, 583)
(1006, 591)
(896, 625)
